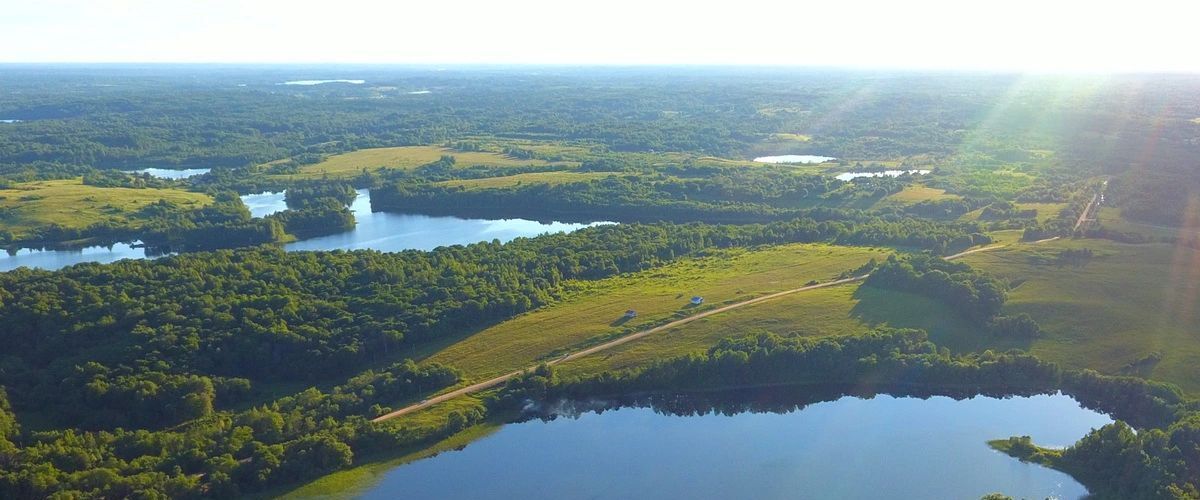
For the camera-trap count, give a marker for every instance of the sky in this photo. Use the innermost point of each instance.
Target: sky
(1016, 35)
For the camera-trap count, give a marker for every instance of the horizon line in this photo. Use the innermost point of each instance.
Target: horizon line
(624, 65)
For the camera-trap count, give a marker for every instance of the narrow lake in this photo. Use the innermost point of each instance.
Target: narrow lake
(167, 173)
(382, 231)
(848, 448)
(879, 173)
(794, 159)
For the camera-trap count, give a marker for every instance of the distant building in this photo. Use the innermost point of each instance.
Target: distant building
(697, 300)
(631, 314)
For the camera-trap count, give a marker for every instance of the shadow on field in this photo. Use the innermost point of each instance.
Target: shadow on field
(880, 307)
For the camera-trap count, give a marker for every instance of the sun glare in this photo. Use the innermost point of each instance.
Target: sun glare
(1065, 36)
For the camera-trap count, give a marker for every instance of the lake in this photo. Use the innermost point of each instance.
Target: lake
(55, 259)
(392, 232)
(794, 159)
(167, 173)
(10, 121)
(878, 173)
(382, 231)
(850, 447)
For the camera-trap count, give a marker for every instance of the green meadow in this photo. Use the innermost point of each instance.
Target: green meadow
(593, 312)
(72, 204)
(350, 164)
(1116, 313)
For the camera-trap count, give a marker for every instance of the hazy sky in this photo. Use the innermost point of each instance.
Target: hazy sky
(1042, 35)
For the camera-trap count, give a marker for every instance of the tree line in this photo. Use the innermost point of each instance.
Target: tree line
(1160, 460)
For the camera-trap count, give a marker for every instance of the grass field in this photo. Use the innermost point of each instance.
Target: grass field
(1126, 303)
(791, 137)
(352, 163)
(1045, 211)
(592, 311)
(1110, 218)
(913, 194)
(72, 204)
(842, 310)
(550, 178)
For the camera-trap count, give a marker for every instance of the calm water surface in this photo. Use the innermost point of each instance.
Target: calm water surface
(884, 447)
(55, 259)
(391, 232)
(881, 173)
(167, 173)
(379, 231)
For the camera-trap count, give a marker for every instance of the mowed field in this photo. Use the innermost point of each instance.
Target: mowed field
(1110, 313)
(917, 193)
(352, 163)
(70, 203)
(849, 309)
(592, 312)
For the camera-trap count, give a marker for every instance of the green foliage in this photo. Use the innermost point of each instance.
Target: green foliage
(291, 439)
(317, 217)
(1021, 326)
(679, 194)
(969, 291)
(306, 195)
(880, 359)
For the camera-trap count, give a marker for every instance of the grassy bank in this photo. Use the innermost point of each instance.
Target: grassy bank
(72, 204)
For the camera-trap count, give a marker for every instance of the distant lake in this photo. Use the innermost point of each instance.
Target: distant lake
(10, 121)
(168, 173)
(319, 82)
(382, 231)
(848, 448)
(392, 232)
(794, 159)
(265, 203)
(55, 259)
(879, 173)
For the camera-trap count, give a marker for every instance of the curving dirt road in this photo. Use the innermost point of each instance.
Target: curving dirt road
(488, 384)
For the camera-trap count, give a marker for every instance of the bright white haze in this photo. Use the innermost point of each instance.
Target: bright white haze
(1022, 35)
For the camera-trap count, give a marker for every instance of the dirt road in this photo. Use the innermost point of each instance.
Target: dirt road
(1091, 206)
(490, 383)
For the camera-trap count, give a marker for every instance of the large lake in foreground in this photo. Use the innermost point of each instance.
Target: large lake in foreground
(382, 231)
(884, 447)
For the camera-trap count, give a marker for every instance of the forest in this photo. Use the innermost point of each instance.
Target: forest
(226, 365)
